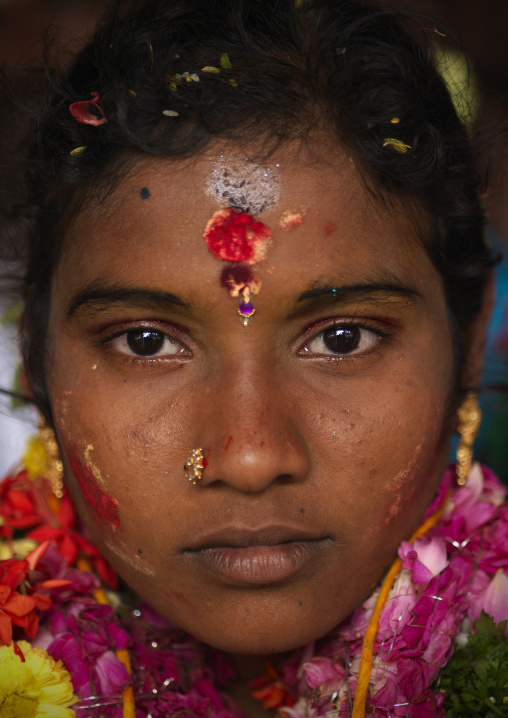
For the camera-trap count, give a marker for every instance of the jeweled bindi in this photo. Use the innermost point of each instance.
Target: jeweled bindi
(234, 234)
(241, 240)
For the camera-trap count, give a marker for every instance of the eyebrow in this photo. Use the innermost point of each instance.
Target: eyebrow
(373, 291)
(97, 298)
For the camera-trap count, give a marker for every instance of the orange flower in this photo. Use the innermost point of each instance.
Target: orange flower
(18, 609)
(70, 543)
(271, 690)
(15, 608)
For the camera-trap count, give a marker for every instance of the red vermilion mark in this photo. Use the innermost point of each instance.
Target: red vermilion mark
(236, 236)
(329, 228)
(236, 275)
(228, 443)
(103, 505)
(82, 113)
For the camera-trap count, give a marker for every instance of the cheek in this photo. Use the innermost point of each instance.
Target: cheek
(126, 464)
(430, 441)
(380, 452)
(104, 506)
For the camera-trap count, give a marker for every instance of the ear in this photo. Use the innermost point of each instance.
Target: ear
(475, 340)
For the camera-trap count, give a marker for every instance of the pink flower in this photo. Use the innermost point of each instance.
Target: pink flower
(404, 691)
(438, 615)
(474, 504)
(82, 640)
(493, 600)
(484, 484)
(111, 674)
(431, 554)
(398, 609)
(494, 552)
(55, 566)
(325, 678)
(426, 558)
(320, 671)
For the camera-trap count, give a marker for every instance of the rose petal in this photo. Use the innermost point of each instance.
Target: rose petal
(432, 554)
(494, 599)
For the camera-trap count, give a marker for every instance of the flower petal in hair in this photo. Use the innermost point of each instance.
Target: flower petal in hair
(82, 113)
(397, 145)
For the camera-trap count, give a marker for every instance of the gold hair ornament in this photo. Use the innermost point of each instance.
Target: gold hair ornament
(194, 465)
(42, 458)
(470, 417)
(54, 471)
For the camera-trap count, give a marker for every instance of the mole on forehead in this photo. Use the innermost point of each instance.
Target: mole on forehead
(243, 184)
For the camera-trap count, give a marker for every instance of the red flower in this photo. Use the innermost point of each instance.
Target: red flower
(271, 690)
(14, 607)
(70, 544)
(17, 505)
(18, 609)
(66, 539)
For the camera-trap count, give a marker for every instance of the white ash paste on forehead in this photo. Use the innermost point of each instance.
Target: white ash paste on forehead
(243, 184)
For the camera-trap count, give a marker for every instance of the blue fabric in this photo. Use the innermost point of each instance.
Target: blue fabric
(492, 444)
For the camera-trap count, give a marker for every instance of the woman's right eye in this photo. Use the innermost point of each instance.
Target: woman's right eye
(147, 343)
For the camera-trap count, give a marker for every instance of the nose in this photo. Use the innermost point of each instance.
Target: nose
(250, 434)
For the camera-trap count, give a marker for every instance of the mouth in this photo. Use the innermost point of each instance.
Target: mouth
(245, 557)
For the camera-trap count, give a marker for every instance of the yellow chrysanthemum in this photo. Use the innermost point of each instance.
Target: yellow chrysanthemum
(19, 548)
(36, 459)
(37, 688)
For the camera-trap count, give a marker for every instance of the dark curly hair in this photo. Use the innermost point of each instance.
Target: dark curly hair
(297, 68)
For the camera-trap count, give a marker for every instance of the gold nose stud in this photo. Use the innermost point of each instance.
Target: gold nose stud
(195, 465)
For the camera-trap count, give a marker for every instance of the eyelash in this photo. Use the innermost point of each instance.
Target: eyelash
(384, 335)
(168, 332)
(172, 333)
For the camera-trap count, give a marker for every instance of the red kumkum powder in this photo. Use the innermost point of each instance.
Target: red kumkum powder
(236, 237)
(105, 507)
(329, 228)
(235, 277)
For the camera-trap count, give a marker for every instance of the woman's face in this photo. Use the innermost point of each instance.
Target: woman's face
(323, 421)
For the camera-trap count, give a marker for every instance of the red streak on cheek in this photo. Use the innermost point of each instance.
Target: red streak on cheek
(236, 236)
(181, 599)
(104, 506)
(329, 228)
(228, 443)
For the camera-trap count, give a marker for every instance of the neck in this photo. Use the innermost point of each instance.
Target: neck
(247, 669)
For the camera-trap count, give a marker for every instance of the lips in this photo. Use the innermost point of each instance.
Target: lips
(243, 556)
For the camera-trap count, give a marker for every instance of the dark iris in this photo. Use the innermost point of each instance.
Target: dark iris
(145, 342)
(342, 340)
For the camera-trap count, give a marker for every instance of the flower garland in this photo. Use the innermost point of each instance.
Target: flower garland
(76, 663)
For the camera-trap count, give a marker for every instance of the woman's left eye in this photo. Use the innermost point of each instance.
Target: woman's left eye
(343, 340)
(146, 342)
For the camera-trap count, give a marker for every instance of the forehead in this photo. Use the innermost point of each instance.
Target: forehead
(152, 225)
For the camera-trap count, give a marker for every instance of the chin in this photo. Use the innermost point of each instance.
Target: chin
(260, 633)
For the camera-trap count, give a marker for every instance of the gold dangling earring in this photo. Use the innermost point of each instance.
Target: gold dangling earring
(470, 417)
(54, 466)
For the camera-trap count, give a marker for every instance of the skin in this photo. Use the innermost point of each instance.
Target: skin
(347, 447)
